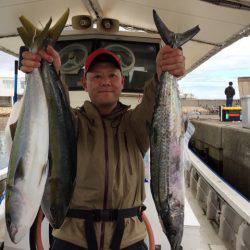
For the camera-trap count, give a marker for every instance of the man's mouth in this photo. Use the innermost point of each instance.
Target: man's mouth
(106, 91)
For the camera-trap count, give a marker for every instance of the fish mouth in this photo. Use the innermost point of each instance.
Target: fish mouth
(12, 228)
(16, 234)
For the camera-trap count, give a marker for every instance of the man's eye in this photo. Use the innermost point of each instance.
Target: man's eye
(97, 76)
(113, 75)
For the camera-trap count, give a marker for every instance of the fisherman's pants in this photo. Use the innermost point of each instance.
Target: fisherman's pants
(64, 245)
(229, 102)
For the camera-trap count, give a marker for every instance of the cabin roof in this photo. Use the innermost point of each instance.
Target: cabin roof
(220, 25)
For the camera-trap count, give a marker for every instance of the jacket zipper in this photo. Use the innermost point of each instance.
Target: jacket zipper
(105, 199)
(116, 142)
(128, 156)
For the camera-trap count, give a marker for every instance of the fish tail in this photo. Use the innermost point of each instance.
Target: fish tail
(41, 37)
(34, 37)
(56, 30)
(31, 35)
(25, 36)
(175, 40)
(30, 29)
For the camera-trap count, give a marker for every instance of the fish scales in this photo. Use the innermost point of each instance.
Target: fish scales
(166, 172)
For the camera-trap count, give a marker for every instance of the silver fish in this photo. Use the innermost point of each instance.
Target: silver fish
(166, 145)
(27, 171)
(62, 140)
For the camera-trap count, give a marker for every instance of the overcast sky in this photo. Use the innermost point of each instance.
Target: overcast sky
(208, 81)
(6, 64)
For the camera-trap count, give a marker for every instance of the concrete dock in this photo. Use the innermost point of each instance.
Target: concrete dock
(226, 147)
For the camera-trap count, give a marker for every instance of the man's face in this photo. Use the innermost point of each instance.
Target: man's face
(104, 84)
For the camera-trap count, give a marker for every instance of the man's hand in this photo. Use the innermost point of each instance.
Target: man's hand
(171, 60)
(31, 61)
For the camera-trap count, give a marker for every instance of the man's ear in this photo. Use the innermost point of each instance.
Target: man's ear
(84, 83)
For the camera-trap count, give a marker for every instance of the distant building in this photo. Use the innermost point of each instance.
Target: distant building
(7, 86)
(187, 96)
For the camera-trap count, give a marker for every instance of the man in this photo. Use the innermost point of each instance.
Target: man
(105, 209)
(229, 92)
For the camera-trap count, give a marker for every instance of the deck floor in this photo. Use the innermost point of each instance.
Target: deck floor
(198, 231)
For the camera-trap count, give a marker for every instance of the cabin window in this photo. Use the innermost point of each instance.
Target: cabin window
(138, 60)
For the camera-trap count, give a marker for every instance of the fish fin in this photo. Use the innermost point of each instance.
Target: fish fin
(19, 173)
(182, 38)
(40, 38)
(43, 172)
(13, 127)
(185, 158)
(175, 40)
(190, 129)
(31, 34)
(28, 26)
(56, 30)
(28, 32)
(24, 36)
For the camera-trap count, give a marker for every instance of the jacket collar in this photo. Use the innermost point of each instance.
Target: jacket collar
(88, 109)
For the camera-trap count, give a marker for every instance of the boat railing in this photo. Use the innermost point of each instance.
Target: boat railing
(224, 207)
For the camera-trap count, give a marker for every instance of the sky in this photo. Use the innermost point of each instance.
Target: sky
(7, 63)
(207, 81)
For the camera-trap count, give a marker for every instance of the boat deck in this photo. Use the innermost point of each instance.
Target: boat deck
(199, 233)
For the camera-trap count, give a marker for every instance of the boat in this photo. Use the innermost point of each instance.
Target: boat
(216, 216)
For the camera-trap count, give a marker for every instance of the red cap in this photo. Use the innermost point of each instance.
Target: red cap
(102, 55)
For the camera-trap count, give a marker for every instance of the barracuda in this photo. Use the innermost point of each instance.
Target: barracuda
(166, 145)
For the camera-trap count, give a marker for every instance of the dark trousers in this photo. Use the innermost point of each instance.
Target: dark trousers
(64, 245)
(229, 102)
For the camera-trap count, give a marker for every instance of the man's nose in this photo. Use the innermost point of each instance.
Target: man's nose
(106, 81)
